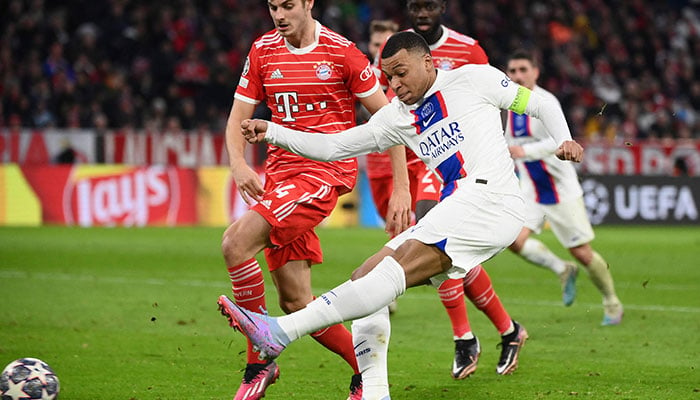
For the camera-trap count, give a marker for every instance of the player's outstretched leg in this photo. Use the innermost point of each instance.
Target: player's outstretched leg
(568, 283)
(466, 357)
(511, 345)
(256, 380)
(263, 331)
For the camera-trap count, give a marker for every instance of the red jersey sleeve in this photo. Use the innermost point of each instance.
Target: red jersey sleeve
(358, 72)
(250, 86)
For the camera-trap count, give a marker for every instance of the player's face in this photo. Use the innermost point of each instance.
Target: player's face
(291, 17)
(376, 40)
(522, 72)
(425, 15)
(410, 75)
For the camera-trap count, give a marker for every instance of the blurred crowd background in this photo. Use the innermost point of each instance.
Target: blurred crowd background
(623, 69)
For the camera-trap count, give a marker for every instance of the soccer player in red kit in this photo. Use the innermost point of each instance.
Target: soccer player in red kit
(310, 78)
(449, 49)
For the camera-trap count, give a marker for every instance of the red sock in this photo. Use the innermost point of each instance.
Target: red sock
(248, 286)
(478, 288)
(452, 296)
(338, 339)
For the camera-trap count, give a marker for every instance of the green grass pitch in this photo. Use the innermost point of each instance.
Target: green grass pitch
(130, 314)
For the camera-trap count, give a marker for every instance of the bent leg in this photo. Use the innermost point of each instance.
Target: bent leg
(293, 282)
(241, 241)
(415, 262)
(479, 289)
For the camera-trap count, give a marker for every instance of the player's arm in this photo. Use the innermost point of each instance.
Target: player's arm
(506, 94)
(356, 141)
(398, 216)
(534, 150)
(554, 122)
(246, 179)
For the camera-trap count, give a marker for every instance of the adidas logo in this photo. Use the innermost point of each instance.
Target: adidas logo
(430, 189)
(266, 203)
(276, 74)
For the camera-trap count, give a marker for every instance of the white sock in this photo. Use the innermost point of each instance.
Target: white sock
(370, 336)
(351, 300)
(602, 279)
(537, 253)
(467, 336)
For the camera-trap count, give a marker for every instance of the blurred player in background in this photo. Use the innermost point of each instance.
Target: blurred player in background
(449, 50)
(553, 193)
(309, 76)
(452, 119)
(379, 170)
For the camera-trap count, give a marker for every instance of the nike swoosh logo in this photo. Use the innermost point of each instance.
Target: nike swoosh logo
(426, 122)
(360, 344)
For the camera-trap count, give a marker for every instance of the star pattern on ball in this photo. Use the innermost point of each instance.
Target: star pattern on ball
(15, 390)
(37, 370)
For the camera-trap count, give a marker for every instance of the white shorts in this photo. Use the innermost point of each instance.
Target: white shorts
(569, 221)
(470, 226)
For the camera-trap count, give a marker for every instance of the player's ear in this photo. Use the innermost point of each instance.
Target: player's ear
(428, 61)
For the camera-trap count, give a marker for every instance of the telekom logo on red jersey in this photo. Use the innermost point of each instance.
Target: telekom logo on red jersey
(132, 198)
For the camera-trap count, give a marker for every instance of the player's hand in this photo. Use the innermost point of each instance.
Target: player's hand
(248, 183)
(570, 151)
(398, 216)
(516, 152)
(253, 130)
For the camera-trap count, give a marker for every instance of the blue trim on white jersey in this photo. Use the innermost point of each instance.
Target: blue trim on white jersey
(450, 171)
(545, 189)
(430, 112)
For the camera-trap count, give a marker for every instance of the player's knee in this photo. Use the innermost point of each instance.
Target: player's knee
(291, 305)
(231, 245)
(516, 247)
(583, 253)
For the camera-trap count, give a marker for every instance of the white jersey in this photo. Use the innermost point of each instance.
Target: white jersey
(544, 178)
(455, 129)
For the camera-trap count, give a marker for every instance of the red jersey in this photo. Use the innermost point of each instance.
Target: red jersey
(452, 50)
(310, 89)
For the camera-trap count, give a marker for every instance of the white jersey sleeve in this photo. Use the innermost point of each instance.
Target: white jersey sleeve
(521, 100)
(374, 136)
(543, 177)
(539, 149)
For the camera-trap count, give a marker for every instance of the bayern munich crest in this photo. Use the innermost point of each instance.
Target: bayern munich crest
(324, 72)
(446, 64)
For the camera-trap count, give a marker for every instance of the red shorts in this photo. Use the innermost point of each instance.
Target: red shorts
(424, 186)
(294, 207)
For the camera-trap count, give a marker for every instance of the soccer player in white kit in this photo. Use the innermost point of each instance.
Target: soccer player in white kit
(451, 120)
(553, 193)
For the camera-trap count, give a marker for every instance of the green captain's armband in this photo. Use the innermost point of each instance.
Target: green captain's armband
(520, 101)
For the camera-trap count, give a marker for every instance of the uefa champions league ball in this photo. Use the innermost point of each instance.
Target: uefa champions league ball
(28, 379)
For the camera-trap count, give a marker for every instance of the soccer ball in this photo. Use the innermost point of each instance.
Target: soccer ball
(27, 379)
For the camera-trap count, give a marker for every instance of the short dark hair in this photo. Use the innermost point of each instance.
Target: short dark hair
(408, 40)
(522, 54)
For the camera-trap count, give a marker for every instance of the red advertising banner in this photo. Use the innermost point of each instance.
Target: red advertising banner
(643, 158)
(192, 149)
(114, 195)
(202, 148)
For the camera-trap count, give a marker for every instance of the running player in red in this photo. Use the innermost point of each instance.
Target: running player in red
(309, 76)
(450, 49)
